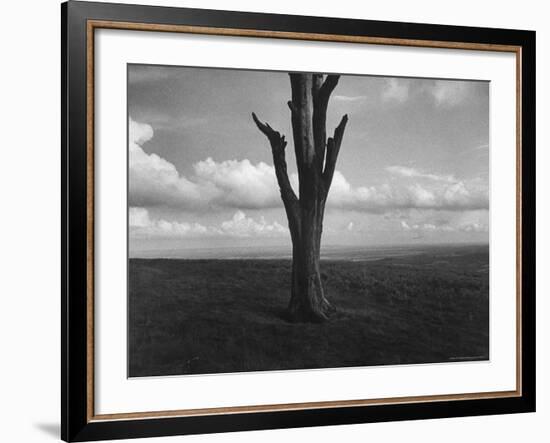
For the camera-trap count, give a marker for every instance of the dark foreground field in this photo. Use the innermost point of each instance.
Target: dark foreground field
(209, 316)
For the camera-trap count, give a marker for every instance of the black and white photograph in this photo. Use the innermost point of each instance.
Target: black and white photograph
(282, 221)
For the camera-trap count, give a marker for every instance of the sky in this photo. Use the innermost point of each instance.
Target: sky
(413, 166)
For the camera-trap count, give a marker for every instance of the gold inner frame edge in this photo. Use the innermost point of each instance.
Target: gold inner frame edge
(90, 110)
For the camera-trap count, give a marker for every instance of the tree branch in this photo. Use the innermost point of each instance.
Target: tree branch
(317, 83)
(291, 106)
(333, 148)
(321, 95)
(278, 145)
(328, 86)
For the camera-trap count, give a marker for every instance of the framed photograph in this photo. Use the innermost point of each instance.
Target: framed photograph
(276, 221)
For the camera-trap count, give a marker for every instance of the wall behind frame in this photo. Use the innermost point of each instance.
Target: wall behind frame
(30, 208)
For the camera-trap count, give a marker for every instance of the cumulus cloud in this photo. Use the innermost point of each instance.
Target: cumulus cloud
(405, 171)
(348, 98)
(450, 224)
(443, 93)
(396, 90)
(423, 226)
(155, 181)
(449, 93)
(449, 196)
(427, 227)
(474, 227)
(141, 225)
(240, 184)
(240, 225)
(138, 218)
(139, 133)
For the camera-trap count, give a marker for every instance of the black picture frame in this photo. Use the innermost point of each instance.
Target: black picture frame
(76, 422)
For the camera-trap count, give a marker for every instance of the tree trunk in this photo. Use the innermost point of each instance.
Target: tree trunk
(310, 95)
(307, 300)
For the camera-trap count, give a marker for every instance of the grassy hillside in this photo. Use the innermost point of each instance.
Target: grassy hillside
(208, 316)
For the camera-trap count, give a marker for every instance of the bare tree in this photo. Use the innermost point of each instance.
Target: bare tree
(316, 159)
